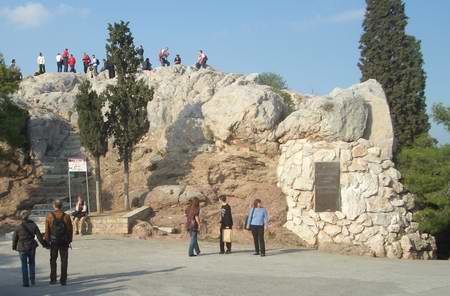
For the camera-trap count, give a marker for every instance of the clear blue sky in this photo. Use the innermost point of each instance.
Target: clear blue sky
(312, 44)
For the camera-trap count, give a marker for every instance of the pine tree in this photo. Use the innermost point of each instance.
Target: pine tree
(395, 60)
(441, 115)
(128, 99)
(93, 130)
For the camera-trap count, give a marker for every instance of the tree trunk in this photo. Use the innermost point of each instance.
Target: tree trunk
(98, 185)
(125, 184)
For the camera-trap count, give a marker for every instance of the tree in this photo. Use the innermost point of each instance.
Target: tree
(279, 86)
(93, 130)
(395, 60)
(441, 115)
(9, 78)
(128, 99)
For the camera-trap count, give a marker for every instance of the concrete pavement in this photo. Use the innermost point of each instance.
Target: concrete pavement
(123, 266)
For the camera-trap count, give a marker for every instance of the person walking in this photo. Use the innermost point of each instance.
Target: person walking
(80, 215)
(201, 60)
(41, 63)
(163, 55)
(226, 222)
(24, 243)
(177, 60)
(72, 61)
(59, 234)
(193, 226)
(257, 220)
(66, 57)
(86, 62)
(59, 62)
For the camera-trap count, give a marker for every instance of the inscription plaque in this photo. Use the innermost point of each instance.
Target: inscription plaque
(327, 191)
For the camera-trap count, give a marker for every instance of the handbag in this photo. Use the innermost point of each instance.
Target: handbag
(247, 222)
(227, 235)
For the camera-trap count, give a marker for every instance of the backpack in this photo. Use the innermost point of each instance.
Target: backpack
(58, 231)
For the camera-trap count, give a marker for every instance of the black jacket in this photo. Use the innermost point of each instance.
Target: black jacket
(226, 219)
(23, 237)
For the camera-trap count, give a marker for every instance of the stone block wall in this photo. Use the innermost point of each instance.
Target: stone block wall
(374, 211)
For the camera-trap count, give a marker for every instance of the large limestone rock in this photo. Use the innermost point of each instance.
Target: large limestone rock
(379, 128)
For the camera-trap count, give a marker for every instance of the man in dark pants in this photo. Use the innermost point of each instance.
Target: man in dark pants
(226, 222)
(59, 233)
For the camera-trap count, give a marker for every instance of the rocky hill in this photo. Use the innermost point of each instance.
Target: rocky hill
(214, 134)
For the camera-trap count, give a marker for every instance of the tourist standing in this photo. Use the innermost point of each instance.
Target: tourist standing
(201, 60)
(66, 57)
(59, 62)
(58, 233)
(177, 60)
(163, 56)
(257, 220)
(24, 243)
(86, 62)
(80, 215)
(72, 61)
(41, 63)
(226, 224)
(140, 52)
(95, 62)
(193, 226)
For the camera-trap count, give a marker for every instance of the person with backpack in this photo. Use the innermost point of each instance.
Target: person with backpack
(193, 226)
(86, 62)
(163, 55)
(177, 60)
(95, 62)
(65, 57)
(226, 224)
(41, 63)
(256, 221)
(201, 60)
(23, 242)
(59, 62)
(79, 215)
(59, 234)
(72, 61)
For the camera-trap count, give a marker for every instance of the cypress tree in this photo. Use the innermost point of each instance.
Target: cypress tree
(395, 60)
(93, 129)
(128, 99)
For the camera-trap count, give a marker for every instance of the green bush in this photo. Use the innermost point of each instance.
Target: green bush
(279, 86)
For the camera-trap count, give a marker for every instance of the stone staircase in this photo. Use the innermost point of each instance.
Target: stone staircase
(54, 181)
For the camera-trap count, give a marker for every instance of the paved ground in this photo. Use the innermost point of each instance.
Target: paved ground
(121, 266)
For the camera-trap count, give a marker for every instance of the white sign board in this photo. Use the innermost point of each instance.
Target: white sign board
(77, 165)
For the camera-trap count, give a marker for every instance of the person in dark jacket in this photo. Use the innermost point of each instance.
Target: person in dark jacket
(147, 66)
(226, 222)
(59, 234)
(177, 60)
(25, 244)
(193, 226)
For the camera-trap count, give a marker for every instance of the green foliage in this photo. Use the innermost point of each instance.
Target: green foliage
(395, 60)
(426, 173)
(441, 115)
(279, 86)
(93, 129)
(9, 78)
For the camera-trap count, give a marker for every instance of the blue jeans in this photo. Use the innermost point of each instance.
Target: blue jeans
(27, 260)
(194, 243)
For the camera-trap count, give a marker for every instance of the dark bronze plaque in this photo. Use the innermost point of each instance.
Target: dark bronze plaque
(327, 181)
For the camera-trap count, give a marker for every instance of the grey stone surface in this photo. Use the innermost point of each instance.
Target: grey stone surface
(121, 266)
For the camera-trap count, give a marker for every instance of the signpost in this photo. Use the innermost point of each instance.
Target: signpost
(77, 165)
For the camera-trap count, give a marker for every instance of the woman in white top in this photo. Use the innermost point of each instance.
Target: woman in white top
(41, 63)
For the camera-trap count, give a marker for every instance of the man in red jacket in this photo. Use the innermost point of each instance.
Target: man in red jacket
(72, 63)
(86, 62)
(65, 59)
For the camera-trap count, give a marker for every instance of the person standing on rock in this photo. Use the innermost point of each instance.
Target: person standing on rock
(59, 62)
(59, 234)
(257, 220)
(163, 55)
(41, 63)
(140, 52)
(86, 62)
(72, 61)
(24, 243)
(95, 62)
(226, 224)
(201, 60)
(79, 215)
(66, 57)
(193, 226)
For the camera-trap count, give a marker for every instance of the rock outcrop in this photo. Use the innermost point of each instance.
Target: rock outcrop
(215, 134)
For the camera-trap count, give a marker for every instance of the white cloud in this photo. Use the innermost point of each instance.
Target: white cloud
(28, 15)
(31, 15)
(338, 18)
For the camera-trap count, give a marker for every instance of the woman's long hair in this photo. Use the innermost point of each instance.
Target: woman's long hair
(195, 206)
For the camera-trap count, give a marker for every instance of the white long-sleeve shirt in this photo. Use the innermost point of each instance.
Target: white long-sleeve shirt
(58, 58)
(40, 60)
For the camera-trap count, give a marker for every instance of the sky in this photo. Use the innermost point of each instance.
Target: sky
(312, 44)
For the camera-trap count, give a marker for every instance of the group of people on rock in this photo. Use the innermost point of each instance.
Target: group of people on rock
(58, 235)
(163, 57)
